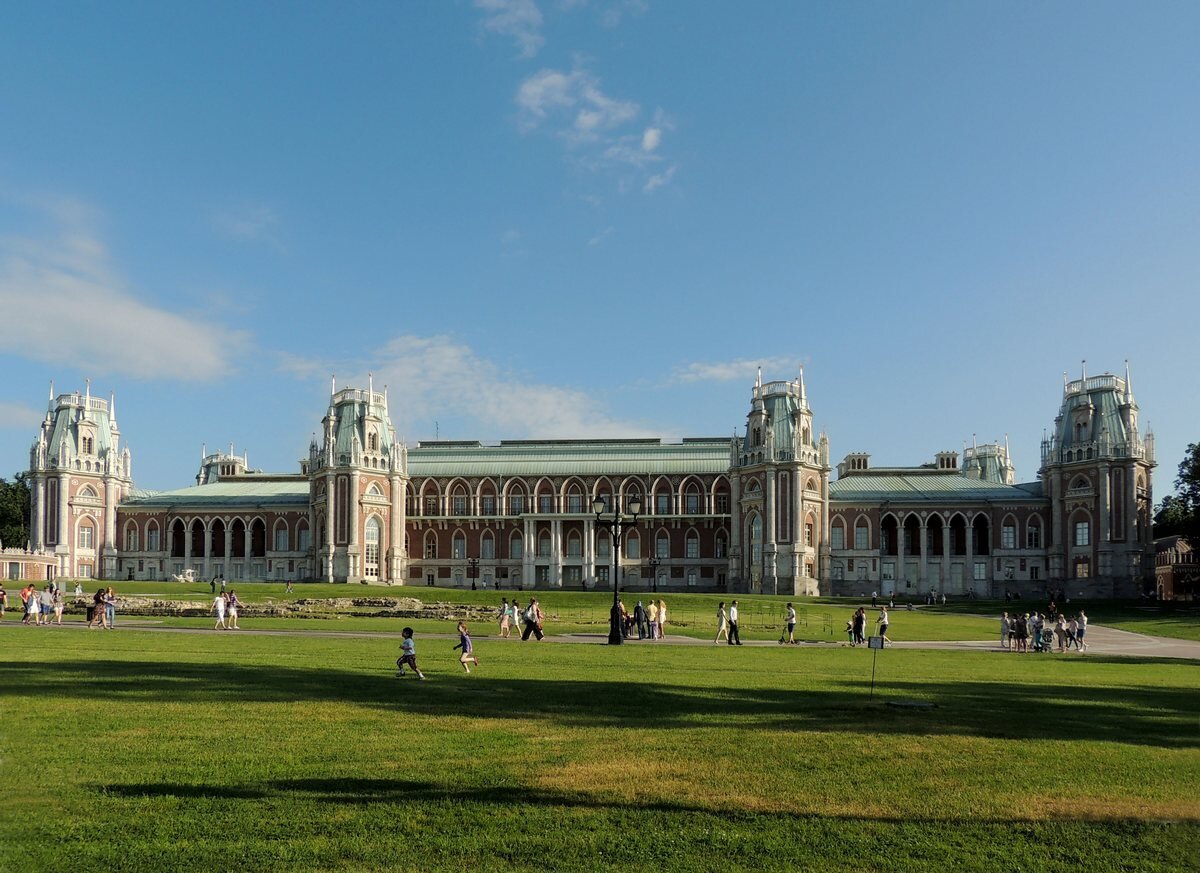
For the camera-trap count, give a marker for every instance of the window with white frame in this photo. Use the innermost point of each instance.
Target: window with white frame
(459, 504)
(488, 504)
(633, 547)
(431, 545)
(87, 535)
(516, 547)
(980, 574)
(602, 575)
(152, 539)
(431, 504)
(662, 546)
(719, 548)
(516, 504)
(574, 503)
(545, 503)
(1083, 533)
(662, 503)
(1008, 536)
(1083, 569)
(544, 545)
(1033, 536)
(837, 537)
(371, 552)
(722, 503)
(487, 548)
(574, 546)
(861, 536)
(458, 546)
(691, 503)
(691, 578)
(281, 539)
(305, 539)
(693, 546)
(808, 533)
(85, 571)
(131, 539)
(603, 549)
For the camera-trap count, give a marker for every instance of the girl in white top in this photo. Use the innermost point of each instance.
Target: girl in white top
(506, 617)
(218, 606)
(1080, 631)
(722, 624)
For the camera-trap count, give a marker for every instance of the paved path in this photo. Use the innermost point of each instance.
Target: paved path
(1101, 640)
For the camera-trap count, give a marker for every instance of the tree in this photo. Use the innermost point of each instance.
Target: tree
(1187, 484)
(14, 512)
(1170, 518)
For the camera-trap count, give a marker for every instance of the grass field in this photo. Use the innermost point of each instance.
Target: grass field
(137, 750)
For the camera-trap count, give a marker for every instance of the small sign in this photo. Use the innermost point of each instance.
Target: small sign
(875, 642)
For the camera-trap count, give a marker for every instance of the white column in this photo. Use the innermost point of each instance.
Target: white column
(556, 550)
(1105, 494)
(945, 574)
(66, 539)
(1131, 506)
(769, 548)
(527, 575)
(589, 550)
(924, 580)
(735, 531)
(330, 524)
(969, 575)
(207, 549)
(38, 511)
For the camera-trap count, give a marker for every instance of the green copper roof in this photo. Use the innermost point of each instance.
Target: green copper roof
(228, 493)
(569, 458)
(933, 487)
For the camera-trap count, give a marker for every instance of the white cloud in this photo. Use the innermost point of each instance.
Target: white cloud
(601, 236)
(659, 179)
(615, 12)
(651, 139)
(64, 303)
(247, 222)
(729, 371)
(520, 20)
(438, 377)
(17, 415)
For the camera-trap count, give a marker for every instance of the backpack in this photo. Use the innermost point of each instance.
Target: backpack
(531, 614)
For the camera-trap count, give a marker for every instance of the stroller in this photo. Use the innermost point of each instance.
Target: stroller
(1046, 644)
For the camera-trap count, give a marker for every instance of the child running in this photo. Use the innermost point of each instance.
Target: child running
(464, 643)
(409, 655)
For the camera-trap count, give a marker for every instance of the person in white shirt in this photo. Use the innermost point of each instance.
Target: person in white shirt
(1004, 631)
(735, 639)
(791, 625)
(218, 606)
(1080, 630)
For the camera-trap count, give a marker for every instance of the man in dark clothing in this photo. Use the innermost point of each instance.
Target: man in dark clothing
(640, 618)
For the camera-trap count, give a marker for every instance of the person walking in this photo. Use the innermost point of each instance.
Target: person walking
(1004, 631)
(1080, 631)
(652, 610)
(722, 624)
(505, 617)
(882, 621)
(219, 605)
(735, 639)
(46, 604)
(58, 605)
(97, 616)
(110, 608)
(639, 616)
(662, 618)
(464, 643)
(408, 655)
(3, 600)
(234, 604)
(533, 620)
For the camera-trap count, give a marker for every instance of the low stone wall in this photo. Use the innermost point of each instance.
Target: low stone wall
(382, 607)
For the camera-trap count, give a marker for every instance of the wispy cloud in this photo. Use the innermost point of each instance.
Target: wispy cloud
(519, 20)
(17, 415)
(597, 128)
(729, 371)
(614, 13)
(247, 222)
(67, 304)
(601, 236)
(438, 377)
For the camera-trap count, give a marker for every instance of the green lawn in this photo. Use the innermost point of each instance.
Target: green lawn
(139, 750)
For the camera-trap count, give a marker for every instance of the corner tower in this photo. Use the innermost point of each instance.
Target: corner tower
(358, 475)
(780, 503)
(1096, 470)
(78, 474)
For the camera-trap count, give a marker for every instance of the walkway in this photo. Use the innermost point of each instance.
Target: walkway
(1101, 640)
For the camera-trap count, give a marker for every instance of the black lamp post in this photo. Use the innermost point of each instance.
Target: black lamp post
(472, 571)
(616, 526)
(653, 562)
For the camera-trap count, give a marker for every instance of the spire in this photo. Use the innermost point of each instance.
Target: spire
(1128, 385)
(1064, 383)
(112, 408)
(51, 390)
(1083, 363)
(370, 386)
(385, 399)
(87, 400)
(203, 451)
(332, 385)
(758, 379)
(803, 390)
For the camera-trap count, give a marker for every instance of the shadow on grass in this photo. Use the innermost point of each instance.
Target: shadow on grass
(1148, 716)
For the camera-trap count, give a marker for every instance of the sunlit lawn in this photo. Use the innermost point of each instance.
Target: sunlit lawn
(140, 750)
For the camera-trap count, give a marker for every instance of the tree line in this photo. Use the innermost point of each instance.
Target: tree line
(14, 512)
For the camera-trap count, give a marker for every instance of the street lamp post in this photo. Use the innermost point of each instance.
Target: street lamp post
(472, 571)
(653, 562)
(616, 526)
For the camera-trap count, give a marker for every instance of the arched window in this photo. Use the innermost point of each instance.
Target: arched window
(720, 546)
(178, 538)
(516, 547)
(152, 536)
(371, 552)
(458, 545)
(87, 491)
(87, 535)
(692, 545)
(303, 536)
(837, 535)
(603, 547)
(756, 540)
(862, 534)
(197, 537)
(217, 539)
(693, 504)
(574, 545)
(258, 538)
(544, 544)
(281, 537)
(373, 490)
(372, 442)
(662, 545)
(431, 545)
(633, 545)
(131, 537)
(487, 546)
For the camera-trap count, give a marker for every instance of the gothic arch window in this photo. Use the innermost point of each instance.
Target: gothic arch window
(458, 545)
(837, 535)
(197, 537)
(574, 545)
(603, 546)
(371, 537)
(87, 535)
(487, 546)
(756, 542)
(544, 544)
(87, 445)
(811, 484)
(87, 491)
(303, 536)
(862, 533)
(516, 546)
(372, 442)
(460, 499)
(662, 545)
(1008, 532)
(1080, 483)
(152, 536)
(810, 528)
(720, 546)
(258, 538)
(633, 545)
(1033, 533)
(692, 545)
(431, 545)
(280, 536)
(217, 539)
(693, 501)
(374, 491)
(517, 504)
(573, 497)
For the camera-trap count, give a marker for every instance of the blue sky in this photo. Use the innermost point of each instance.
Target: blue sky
(542, 218)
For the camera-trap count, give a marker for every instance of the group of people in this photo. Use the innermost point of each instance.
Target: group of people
(226, 603)
(38, 607)
(856, 627)
(408, 652)
(648, 619)
(1038, 632)
(529, 620)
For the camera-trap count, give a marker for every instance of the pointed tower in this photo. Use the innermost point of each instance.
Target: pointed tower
(780, 484)
(78, 475)
(1097, 471)
(358, 476)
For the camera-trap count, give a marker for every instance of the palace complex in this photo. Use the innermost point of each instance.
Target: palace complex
(765, 510)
